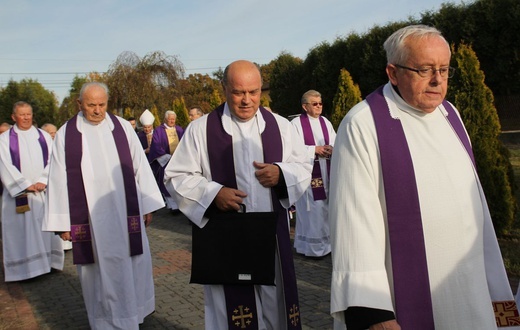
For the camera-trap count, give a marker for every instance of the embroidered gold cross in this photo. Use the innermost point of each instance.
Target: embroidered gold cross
(316, 183)
(80, 233)
(242, 320)
(294, 315)
(134, 223)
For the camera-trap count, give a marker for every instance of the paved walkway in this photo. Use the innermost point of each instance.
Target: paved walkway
(54, 301)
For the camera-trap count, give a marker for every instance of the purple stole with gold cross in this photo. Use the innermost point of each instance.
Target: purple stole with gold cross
(318, 189)
(240, 300)
(412, 295)
(22, 202)
(78, 207)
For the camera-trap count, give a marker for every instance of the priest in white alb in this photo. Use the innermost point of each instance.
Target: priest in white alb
(165, 140)
(413, 244)
(101, 196)
(24, 169)
(241, 153)
(312, 233)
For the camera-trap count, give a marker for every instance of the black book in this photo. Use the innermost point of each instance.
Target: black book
(235, 248)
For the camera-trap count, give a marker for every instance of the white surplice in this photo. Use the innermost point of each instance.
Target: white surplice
(312, 233)
(118, 289)
(188, 179)
(28, 251)
(457, 227)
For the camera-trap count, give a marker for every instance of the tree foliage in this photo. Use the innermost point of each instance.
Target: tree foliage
(202, 91)
(42, 101)
(179, 107)
(475, 102)
(347, 95)
(284, 88)
(139, 84)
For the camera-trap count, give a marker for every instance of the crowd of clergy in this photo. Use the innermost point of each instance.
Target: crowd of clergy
(394, 196)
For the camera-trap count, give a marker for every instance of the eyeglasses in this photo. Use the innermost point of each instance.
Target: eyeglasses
(428, 72)
(315, 104)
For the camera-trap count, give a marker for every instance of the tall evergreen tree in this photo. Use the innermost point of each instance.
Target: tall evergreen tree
(475, 102)
(155, 113)
(214, 100)
(179, 107)
(347, 95)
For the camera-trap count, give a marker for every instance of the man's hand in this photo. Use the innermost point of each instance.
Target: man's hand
(387, 325)
(323, 151)
(267, 174)
(147, 219)
(37, 187)
(229, 199)
(66, 236)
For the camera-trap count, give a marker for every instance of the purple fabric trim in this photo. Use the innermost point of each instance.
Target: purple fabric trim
(78, 207)
(159, 147)
(458, 127)
(81, 233)
(220, 153)
(21, 200)
(14, 148)
(132, 202)
(318, 192)
(142, 138)
(410, 271)
(82, 252)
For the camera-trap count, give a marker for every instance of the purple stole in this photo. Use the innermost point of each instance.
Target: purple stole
(410, 272)
(78, 207)
(220, 153)
(161, 138)
(318, 190)
(22, 203)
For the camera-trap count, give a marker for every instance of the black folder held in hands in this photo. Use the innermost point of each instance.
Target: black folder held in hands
(235, 248)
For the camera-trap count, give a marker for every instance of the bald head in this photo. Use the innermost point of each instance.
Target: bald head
(242, 85)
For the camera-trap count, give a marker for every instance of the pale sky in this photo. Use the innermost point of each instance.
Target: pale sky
(51, 41)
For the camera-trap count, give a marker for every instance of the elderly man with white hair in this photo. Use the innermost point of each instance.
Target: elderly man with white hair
(165, 139)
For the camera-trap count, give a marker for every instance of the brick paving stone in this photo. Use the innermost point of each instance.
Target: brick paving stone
(54, 301)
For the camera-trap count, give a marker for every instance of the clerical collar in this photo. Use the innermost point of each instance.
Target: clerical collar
(228, 118)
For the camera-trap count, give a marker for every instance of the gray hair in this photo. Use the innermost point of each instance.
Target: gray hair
(308, 94)
(169, 113)
(44, 126)
(21, 104)
(396, 48)
(90, 84)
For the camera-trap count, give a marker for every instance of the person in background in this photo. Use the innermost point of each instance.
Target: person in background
(263, 156)
(101, 196)
(132, 122)
(165, 139)
(413, 244)
(312, 235)
(50, 128)
(24, 155)
(195, 113)
(145, 136)
(4, 127)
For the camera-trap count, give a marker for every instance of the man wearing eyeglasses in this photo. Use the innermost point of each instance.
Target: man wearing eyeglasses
(312, 235)
(413, 244)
